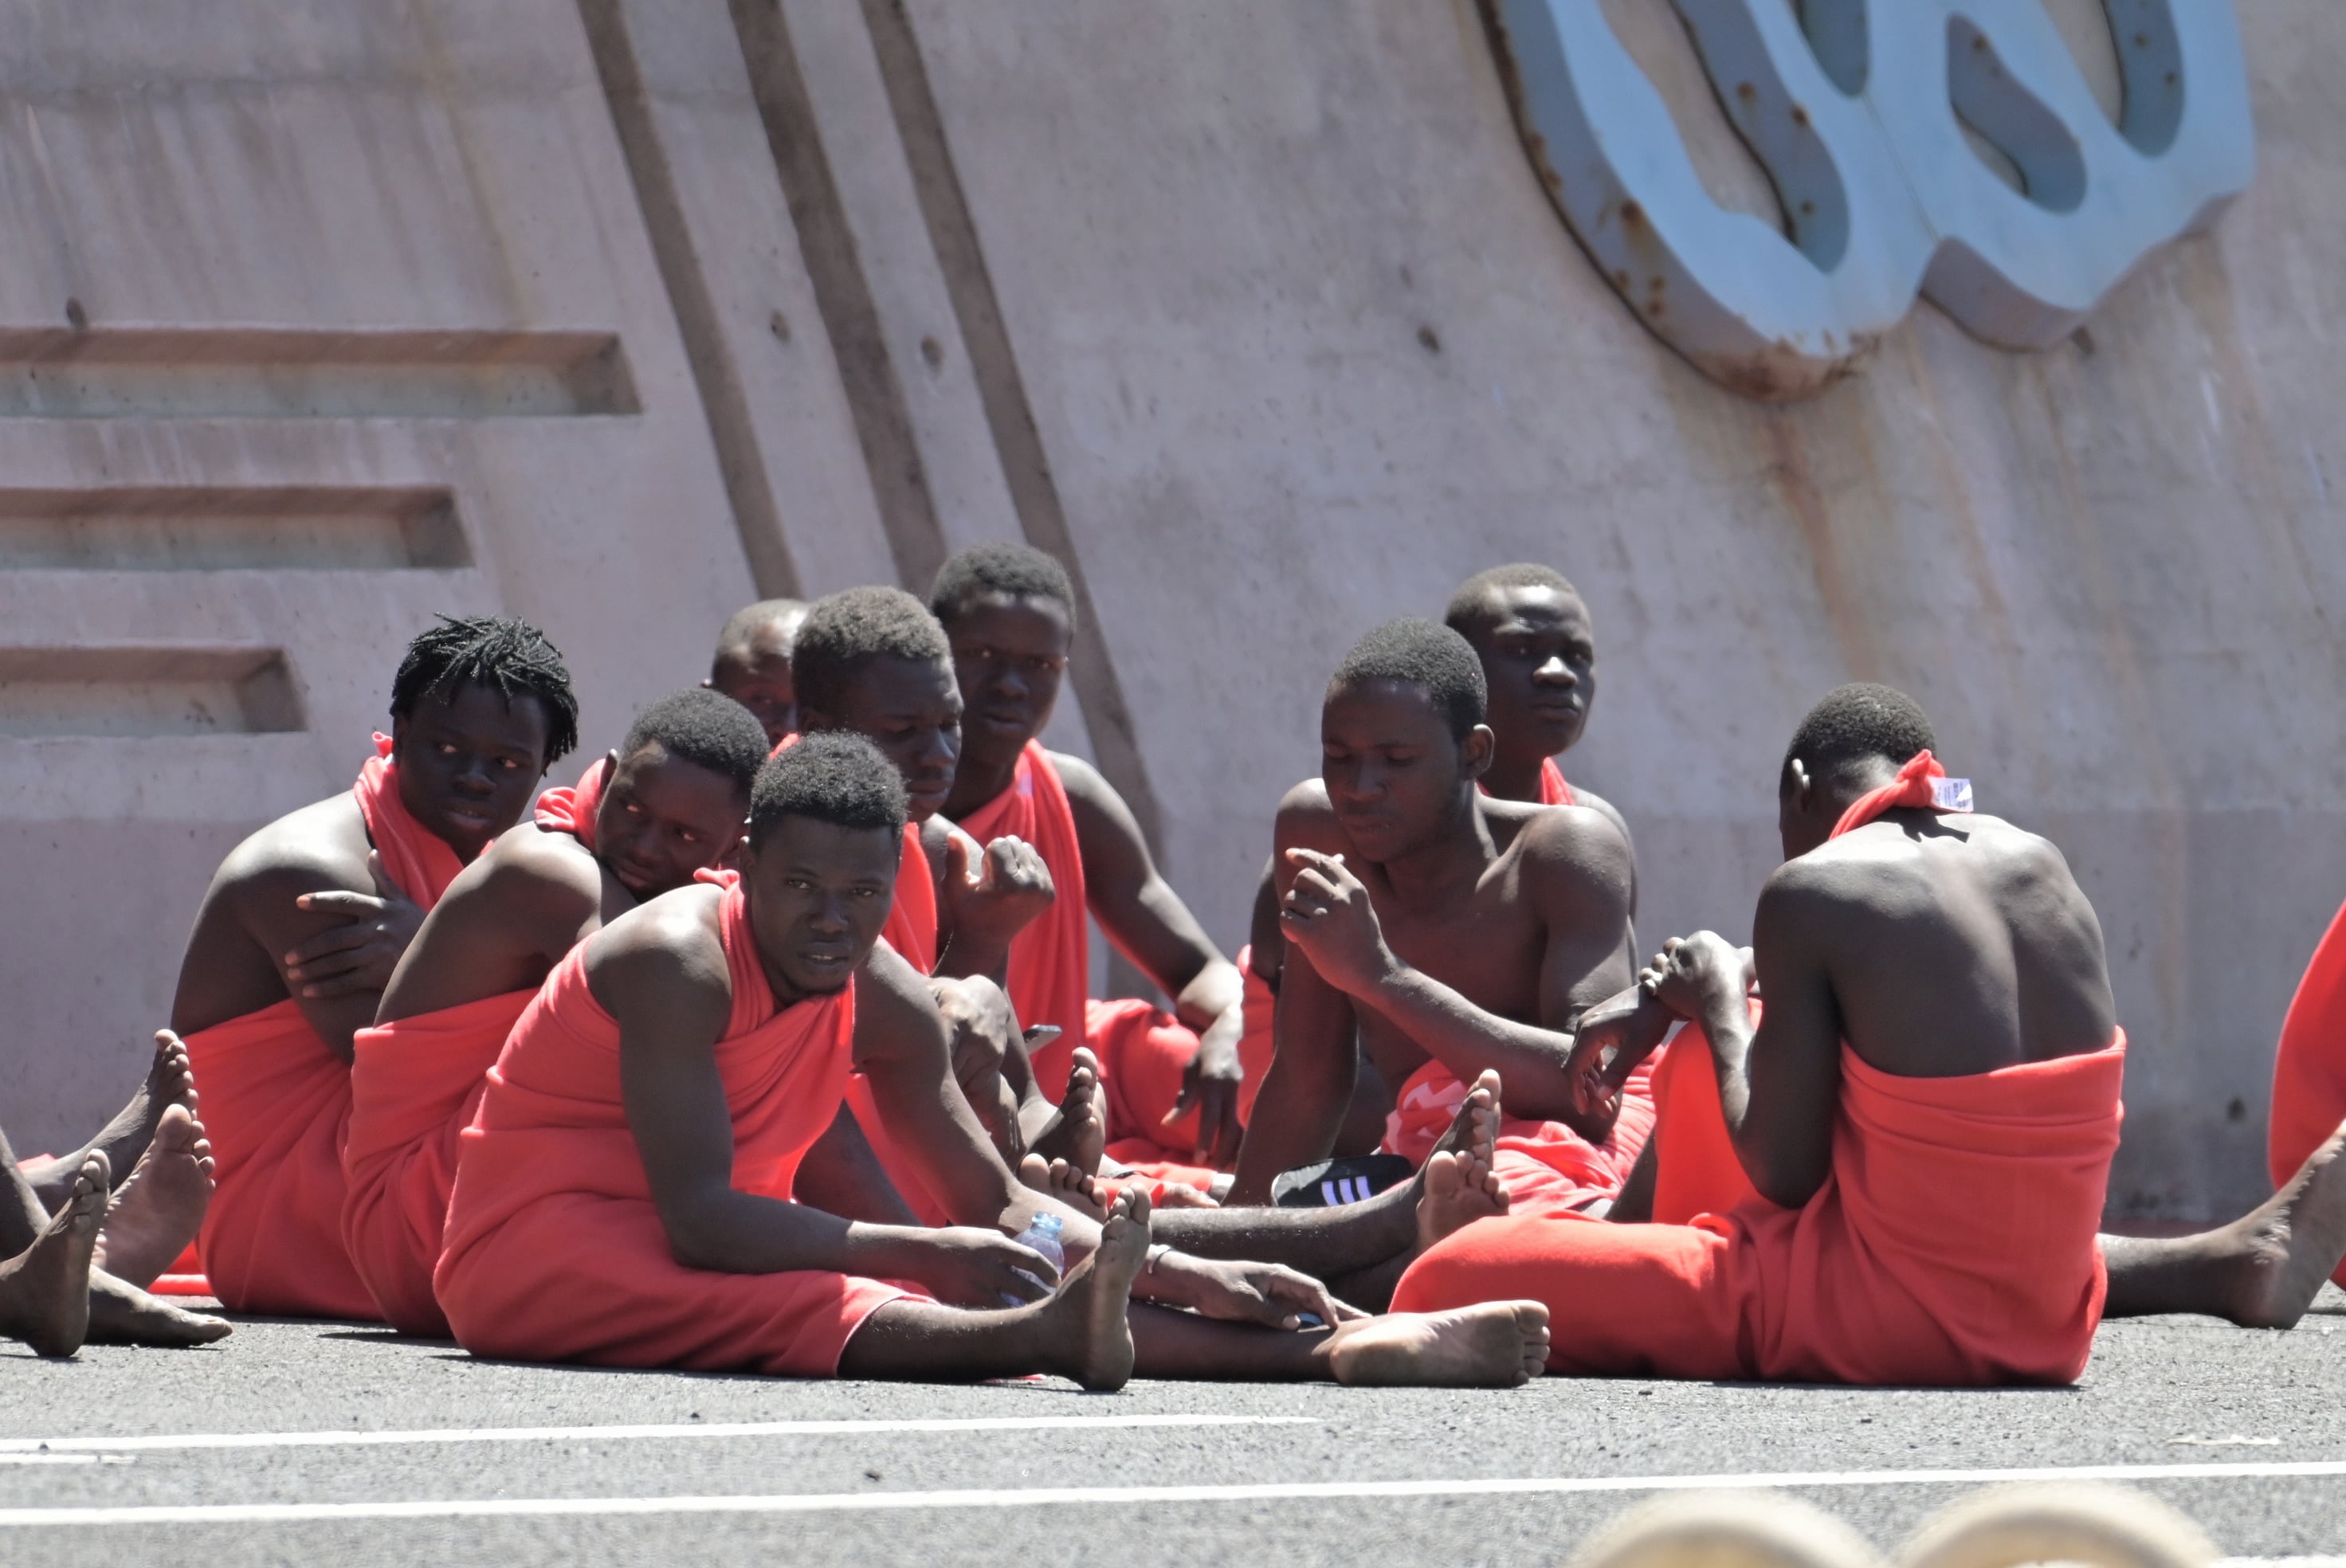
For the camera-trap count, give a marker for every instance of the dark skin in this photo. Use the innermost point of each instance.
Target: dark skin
(1936, 946)
(1433, 921)
(1538, 649)
(1010, 658)
(517, 910)
(756, 673)
(302, 909)
(911, 710)
(818, 895)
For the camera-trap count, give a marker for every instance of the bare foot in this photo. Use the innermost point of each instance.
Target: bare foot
(1459, 1190)
(122, 1314)
(1475, 1128)
(157, 1212)
(1078, 1134)
(44, 1290)
(1497, 1345)
(170, 1082)
(1088, 1314)
(2282, 1251)
(1077, 1189)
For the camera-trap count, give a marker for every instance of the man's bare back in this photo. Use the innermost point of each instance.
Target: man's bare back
(1952, 945)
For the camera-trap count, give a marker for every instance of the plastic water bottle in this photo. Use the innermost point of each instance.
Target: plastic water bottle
(1043, 1236)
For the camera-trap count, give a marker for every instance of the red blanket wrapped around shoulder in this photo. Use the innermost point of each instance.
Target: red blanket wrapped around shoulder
(277, 1106)
(555, 1251)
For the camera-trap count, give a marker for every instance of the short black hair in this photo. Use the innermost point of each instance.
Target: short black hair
(1466, 604)
(706, 728)
(1418, 653)
(845, 631)
(497, 651)
(835, 777)
(745, 622)
(1857, 723)
(1019, 571)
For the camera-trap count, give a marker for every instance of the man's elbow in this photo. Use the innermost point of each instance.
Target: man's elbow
(698, 1237)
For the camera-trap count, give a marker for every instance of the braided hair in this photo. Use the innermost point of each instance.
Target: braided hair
(497, 651)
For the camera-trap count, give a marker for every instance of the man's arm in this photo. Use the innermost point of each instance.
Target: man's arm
(1146, 920)
(665, 980)
(1575, 871)
(503, 924)
(1779, 1084)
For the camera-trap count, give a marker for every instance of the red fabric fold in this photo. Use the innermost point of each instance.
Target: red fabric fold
(554, 1250)
(1547, 1167)
(1921, 784)
(1952, 1245)
(414, 1087)
(570, 809)
(1696, 1168)
(277, 1107)
(2308, 1095)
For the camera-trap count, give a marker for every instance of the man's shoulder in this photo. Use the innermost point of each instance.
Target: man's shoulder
(1306, 817)
(1604, 809)
(1563, 839)
(682, 927)
(530, 869)
(317, 846)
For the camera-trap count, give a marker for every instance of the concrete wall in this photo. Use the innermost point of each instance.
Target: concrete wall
(1257, 314)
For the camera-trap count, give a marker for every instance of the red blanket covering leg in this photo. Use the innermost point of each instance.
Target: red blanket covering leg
(414, 1089)
(1953, 1244)
(2309, 1094)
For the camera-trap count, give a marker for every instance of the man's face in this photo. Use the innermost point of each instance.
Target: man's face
(1539, 659)
(469, 762)
(818, 896)
(662, 819)
(911, 709)
(757, 675)
(1010, 655)
(1395, 775)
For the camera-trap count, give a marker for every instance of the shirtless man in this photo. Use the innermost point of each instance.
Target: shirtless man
(1009, 612)
(668, 804)
(752, 665)
(1532, 632)
(1450, 931)
(1925, 1111)
(709, 1029)
(302, 926)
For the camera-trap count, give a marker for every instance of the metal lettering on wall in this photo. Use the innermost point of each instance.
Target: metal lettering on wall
(1856, 109)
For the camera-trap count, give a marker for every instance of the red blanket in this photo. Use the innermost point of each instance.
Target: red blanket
(1953, 1244)
(570, 809)
(277, 1106)
(1547, 1167)
(554, 1250)
(2309, 1097)
(414, 1089)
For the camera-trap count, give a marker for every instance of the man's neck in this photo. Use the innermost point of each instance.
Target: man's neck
(1515, 778)
(1459, 855)
(977, 784)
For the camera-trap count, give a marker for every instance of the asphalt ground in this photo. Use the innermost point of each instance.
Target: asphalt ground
(331, 1446)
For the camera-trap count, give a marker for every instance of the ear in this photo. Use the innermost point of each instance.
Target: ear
(1475, 753)
(612, 755)
(812, 718)
(398, 736)
(1803, 786)
(708, 685)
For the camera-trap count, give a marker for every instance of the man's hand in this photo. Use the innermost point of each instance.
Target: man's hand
(991, 903)
(1262, 1293)
(966, 1265)
(359, 954)
(1694, 972)
(983, 1021)
(1610, 1041)
(1211, 1082)
(1327, 913)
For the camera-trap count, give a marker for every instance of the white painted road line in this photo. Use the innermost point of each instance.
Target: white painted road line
(162, 1442)
(1124, 1496)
